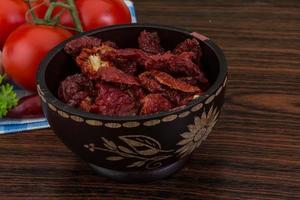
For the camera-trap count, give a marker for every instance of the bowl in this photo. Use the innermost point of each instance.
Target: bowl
(138, 148)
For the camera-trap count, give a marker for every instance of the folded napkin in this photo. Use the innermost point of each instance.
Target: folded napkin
(130, 5)
(13, 125)
(19, 125)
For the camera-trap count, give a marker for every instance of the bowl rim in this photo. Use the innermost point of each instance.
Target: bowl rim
(50, 98)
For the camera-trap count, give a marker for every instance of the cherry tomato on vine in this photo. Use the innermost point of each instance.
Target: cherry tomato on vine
(25, 48)
(99, 13)
(92, 13)
(12, 15)
(40, 7)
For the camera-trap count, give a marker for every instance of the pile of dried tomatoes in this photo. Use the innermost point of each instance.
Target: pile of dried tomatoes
(129, 82)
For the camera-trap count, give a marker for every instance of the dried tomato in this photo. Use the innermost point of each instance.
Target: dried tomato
(86, 104)
(149, 82)
(189, 45)
(114, 75)
(157, 62)
(137, 91)
(183, 63)
(153, 103)
(114, 102)
(74, 47)
(120, 82)
(170, 63)
(199, 80)
(174, 96)
(74, 89)
(127, 54)
(90, 61)
(110, 44)
(179, 64)
(128, 66)
(150, 42)
(173, 83)
(189, 80)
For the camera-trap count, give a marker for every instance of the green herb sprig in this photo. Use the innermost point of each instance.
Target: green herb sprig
(8, 98)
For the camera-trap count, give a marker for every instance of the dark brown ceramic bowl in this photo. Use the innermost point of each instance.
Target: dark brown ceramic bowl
(139, 148)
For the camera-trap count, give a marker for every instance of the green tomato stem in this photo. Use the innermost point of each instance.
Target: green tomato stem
(35, 19)
(48, 20)
(52, 6)
(75, 15)
(67, 28)
(56, 18)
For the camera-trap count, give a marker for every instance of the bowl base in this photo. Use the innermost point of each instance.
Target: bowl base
(141, 176)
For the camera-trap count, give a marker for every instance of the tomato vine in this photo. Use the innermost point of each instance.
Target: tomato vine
(54, 20)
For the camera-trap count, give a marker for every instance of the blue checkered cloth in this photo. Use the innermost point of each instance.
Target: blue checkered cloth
(20, 125)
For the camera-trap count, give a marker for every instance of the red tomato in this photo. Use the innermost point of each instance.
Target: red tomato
(25, 48)
(12, 15)
(93, 13)
(99, 13)
(41, 6)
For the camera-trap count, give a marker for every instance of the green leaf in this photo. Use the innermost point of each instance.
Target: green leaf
(1, 78)
(8, 98)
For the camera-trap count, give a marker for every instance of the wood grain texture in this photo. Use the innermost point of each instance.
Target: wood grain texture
(254, 151)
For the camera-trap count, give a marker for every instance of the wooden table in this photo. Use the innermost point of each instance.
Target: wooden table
(254, 151)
